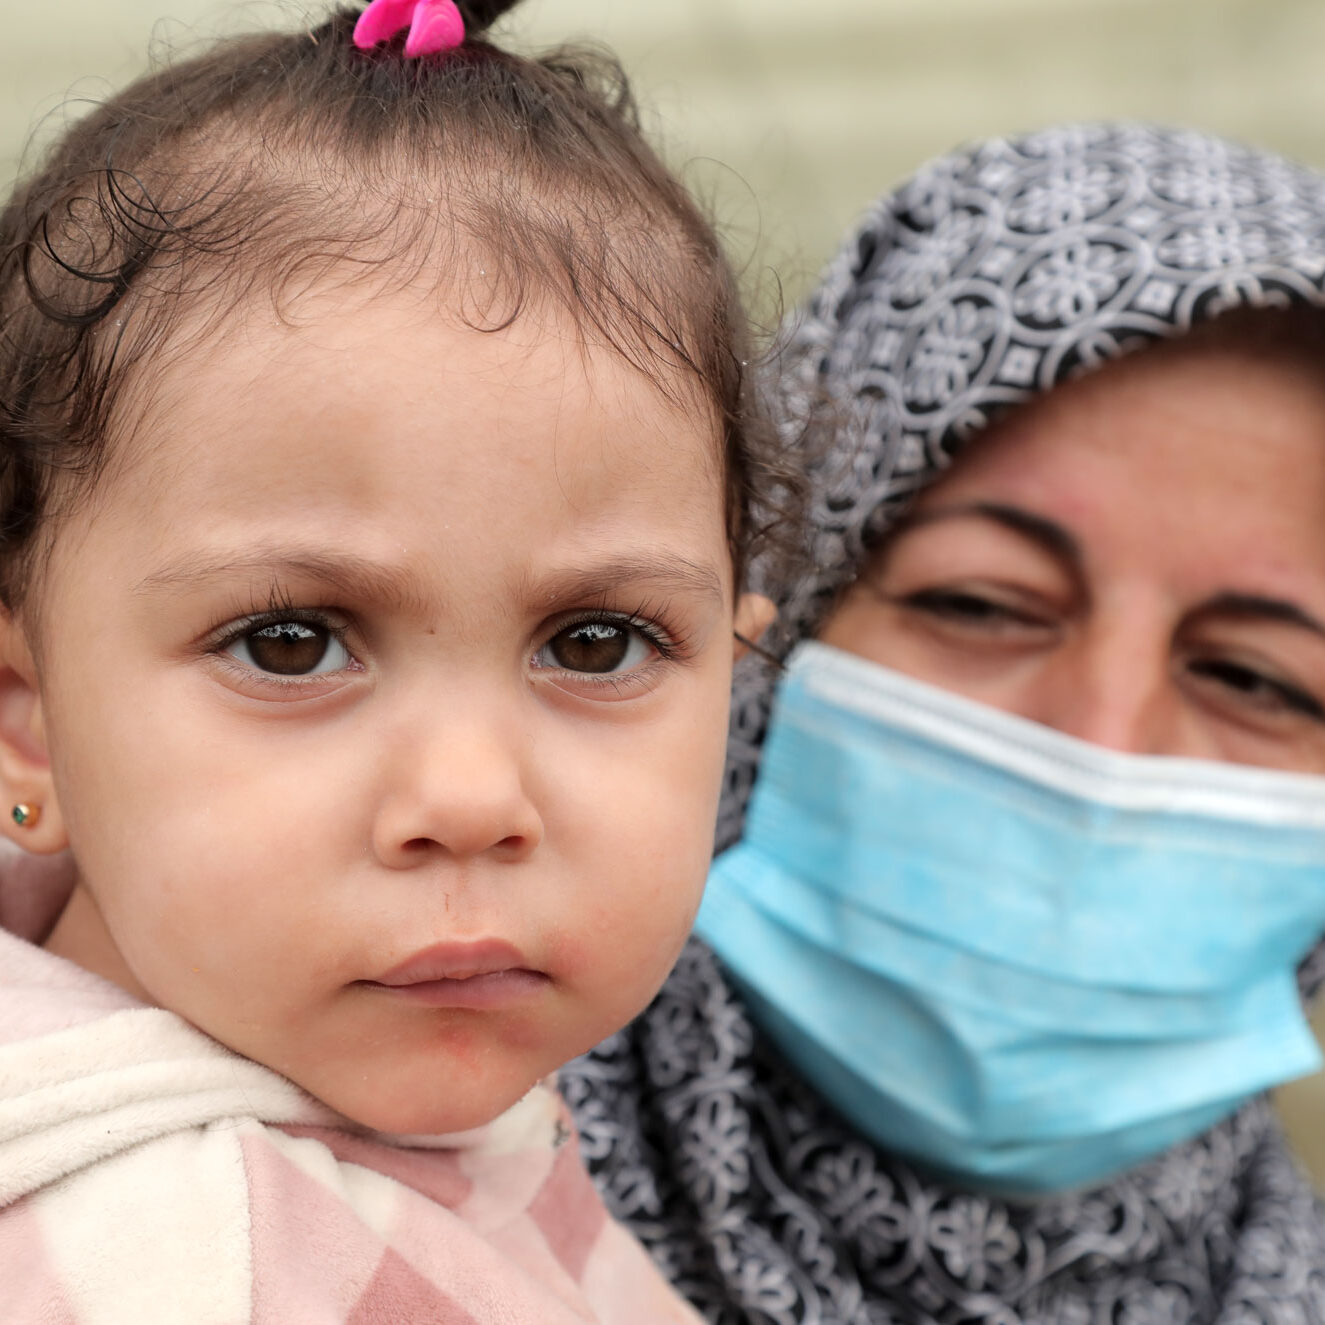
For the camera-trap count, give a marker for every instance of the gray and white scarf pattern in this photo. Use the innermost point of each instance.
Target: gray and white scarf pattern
(994, 274)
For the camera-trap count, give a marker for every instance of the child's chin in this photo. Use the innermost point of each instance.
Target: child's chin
(410, 1119)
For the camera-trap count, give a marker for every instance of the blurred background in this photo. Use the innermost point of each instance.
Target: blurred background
(789, 117)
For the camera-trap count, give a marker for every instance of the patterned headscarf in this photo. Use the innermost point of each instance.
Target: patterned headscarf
(993, 275)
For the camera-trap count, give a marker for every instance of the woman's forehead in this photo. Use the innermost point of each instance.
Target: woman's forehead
(1207, 412)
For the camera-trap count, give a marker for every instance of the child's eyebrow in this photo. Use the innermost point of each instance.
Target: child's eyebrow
(363, 579)
(342, 571)
(659, 571)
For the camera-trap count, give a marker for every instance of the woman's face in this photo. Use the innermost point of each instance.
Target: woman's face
(1136, 559)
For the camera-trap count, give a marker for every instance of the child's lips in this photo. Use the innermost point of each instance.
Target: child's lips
(484, 974)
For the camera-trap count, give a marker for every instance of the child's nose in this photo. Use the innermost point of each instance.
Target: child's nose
(457, 787)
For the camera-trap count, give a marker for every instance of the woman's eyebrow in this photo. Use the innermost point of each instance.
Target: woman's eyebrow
(1259, 607)
(1043, 532)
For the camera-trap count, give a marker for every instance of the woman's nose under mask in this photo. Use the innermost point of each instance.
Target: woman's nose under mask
(1021, 960)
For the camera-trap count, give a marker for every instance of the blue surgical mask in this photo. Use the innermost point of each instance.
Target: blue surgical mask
(1022, 960)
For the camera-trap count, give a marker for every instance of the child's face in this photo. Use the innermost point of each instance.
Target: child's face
(385, 693)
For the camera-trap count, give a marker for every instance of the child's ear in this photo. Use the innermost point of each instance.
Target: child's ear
(754, 615)
(29, 815)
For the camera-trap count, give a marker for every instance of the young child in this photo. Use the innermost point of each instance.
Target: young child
(376, 468)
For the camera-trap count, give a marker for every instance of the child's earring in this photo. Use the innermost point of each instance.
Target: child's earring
(26, 816)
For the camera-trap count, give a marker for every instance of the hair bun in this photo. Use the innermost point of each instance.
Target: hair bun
(480, 15)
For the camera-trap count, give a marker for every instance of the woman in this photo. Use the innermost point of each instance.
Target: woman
(1129, 559)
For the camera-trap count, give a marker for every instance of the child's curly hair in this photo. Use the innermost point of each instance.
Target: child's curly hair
(276, 161)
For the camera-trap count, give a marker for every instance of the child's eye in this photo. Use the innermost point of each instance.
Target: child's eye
(290, 648)
(598, 647)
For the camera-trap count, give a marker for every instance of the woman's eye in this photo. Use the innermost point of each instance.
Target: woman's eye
(1256, 689)
(967, 608)
(290, 648)
(596, 647)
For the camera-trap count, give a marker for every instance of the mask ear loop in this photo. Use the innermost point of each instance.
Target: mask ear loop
(760, 652)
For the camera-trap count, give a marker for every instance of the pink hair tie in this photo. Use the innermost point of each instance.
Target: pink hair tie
(434, 25)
